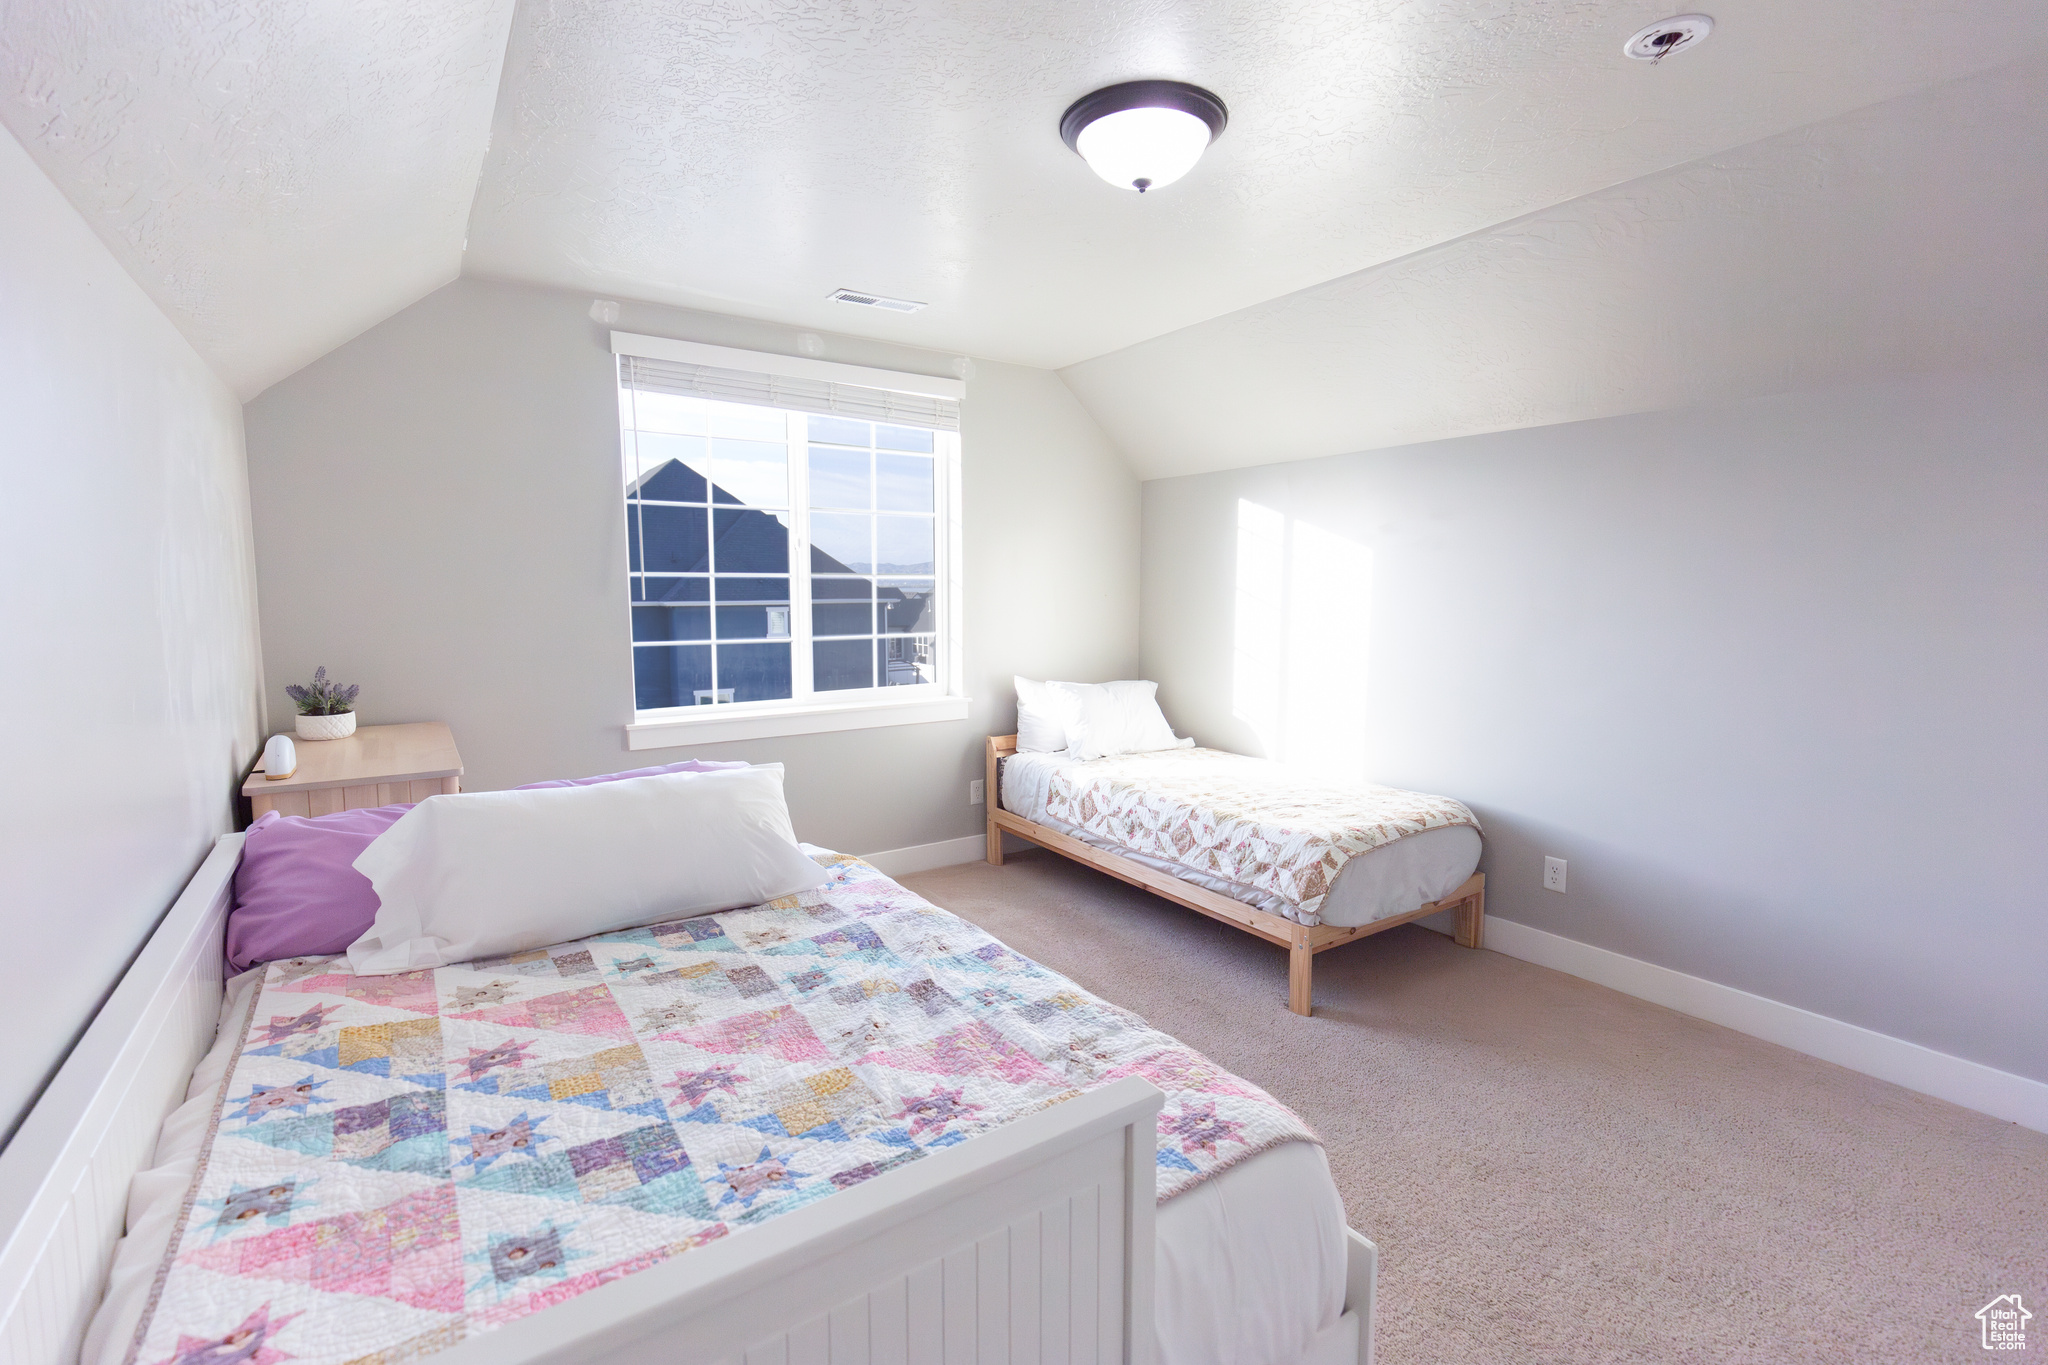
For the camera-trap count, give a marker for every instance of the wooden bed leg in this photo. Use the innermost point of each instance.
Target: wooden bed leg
(991, 793)
(1471, 920)
(1301, 965)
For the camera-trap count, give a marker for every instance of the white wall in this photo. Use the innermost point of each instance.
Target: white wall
(128, 621)
(1768, 675)
(438, 518)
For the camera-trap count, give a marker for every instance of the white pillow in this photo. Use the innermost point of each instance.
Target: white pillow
(1115, 718)
(485, 873)
(1043, 714)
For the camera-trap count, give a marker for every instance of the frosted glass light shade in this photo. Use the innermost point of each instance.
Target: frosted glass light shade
(1143, 134)
(1143, 149)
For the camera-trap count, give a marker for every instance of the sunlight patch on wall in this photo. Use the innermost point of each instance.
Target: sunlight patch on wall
(1301, 642)
(1257, 662)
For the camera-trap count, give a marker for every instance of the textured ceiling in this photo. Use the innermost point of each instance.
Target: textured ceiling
(281, 176)
(752, 155)
(278, 176)
(1899, 238)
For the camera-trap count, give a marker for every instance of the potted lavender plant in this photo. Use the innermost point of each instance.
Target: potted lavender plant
(326, 710)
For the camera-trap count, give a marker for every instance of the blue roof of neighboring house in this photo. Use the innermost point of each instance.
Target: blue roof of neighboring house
(742, 534)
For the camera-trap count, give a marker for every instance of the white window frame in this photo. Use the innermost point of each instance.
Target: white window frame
(817, 713)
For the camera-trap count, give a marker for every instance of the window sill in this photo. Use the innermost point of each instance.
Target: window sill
(720, 726)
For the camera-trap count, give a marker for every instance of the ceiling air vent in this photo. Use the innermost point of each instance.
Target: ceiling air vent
(874, 301)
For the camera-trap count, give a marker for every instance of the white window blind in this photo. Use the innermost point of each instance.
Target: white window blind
(789, 393)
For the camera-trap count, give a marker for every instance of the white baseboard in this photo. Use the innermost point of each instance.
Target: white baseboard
(901, 862)
(1970, 1084)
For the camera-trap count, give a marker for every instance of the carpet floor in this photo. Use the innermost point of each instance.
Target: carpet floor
(1558, 1173)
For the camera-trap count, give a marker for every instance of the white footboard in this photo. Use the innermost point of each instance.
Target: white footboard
(64, 1178)
(1361, 1286)
(1033, 1243)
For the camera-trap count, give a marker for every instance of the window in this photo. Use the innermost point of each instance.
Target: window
(782, 557)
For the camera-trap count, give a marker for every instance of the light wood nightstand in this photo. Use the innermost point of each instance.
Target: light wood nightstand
(378, 765)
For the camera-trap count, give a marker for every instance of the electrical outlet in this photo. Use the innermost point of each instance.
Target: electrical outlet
(1553, 874)
(975, 791)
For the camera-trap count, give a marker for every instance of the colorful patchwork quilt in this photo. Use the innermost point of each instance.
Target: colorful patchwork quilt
(1247, 820)
(400, 1162)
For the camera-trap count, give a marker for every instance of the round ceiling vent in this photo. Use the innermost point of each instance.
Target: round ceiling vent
(1660, 40)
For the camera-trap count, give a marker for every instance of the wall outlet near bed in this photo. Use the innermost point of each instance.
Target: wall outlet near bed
(975, 790)
(1553, 874)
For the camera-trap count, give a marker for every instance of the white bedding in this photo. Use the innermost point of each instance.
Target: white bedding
(156, 1196)
(1251, 1264)
(1390, 880)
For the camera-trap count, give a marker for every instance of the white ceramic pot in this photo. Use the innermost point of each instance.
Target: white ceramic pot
(327, 727)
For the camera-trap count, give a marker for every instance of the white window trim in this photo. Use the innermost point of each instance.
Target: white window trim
(794, 366)
(683, 726)
(723, 724)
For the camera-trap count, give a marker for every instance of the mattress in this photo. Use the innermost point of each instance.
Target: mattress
(365, 1168)
(1391, 879)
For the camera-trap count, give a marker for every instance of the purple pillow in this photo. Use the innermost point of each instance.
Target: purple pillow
(688, 765)
(296, 891)
(298, 894)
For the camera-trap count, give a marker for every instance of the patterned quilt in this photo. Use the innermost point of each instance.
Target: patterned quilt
(400, 1162)
(1246, 820)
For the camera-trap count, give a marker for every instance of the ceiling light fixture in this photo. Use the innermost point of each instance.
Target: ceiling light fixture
(1659, 41)
(1143, 134)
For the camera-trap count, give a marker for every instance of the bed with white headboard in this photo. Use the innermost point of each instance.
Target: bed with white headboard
(1031, 1242)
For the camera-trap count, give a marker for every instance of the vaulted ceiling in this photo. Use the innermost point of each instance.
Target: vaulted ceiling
(279, 176)
(1895, 239)
(1426, 216)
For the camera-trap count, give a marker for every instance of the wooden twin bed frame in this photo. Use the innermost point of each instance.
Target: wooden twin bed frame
(1302, 941)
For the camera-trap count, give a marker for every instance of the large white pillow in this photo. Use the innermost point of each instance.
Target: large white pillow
(485, 873)
(1043, 713)
(1115, 718)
